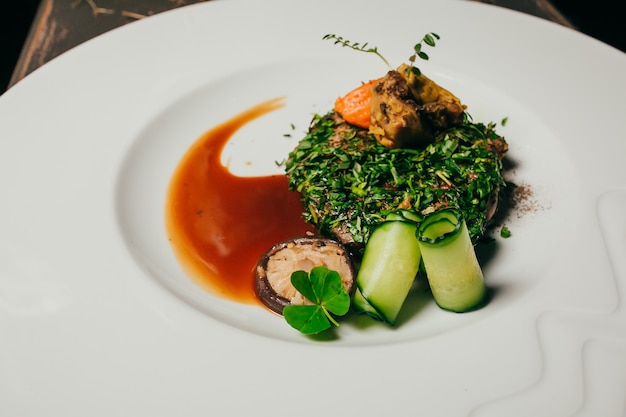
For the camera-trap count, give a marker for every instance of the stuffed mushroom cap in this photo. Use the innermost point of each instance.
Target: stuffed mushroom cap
(273, 271)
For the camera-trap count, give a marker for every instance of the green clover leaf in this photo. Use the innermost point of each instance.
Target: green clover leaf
(324, 289)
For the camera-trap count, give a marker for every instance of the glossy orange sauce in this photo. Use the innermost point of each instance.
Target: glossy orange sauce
(219, 224)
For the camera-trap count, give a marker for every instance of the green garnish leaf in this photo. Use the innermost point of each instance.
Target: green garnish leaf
(324, 289)
(428, 39)
(505, 232)
(308, 319)
(303, 283)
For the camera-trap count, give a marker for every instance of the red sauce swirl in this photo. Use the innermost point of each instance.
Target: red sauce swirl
(219, 224)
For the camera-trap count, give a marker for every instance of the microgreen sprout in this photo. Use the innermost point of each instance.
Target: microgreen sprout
(428, 39)
(324, 289)
(356, 46)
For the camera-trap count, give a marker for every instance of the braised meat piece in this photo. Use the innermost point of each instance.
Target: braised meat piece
(394, 114)
(408, 109)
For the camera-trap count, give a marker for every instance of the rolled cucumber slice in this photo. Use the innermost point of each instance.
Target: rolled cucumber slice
(454, 274)
(390, 264)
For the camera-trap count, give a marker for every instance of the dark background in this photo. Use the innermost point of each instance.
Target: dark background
(15, 20)
(602, 19)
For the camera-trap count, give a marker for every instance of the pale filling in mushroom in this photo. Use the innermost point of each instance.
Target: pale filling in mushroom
(294, 257)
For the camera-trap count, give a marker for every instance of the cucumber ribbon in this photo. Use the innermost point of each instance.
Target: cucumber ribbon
(454, 274)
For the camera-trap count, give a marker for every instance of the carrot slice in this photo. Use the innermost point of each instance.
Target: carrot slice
(354, 107)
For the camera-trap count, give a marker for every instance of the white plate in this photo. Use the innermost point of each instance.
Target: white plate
(96, 317)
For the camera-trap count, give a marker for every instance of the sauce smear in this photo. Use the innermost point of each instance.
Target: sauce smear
(219, 224)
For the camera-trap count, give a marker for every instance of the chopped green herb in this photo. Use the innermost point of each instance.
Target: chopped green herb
(324, 289)
(504, 120)
(288, 135)
(350, 182)
(505, 232)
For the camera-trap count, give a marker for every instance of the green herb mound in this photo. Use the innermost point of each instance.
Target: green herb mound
(348, 182)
